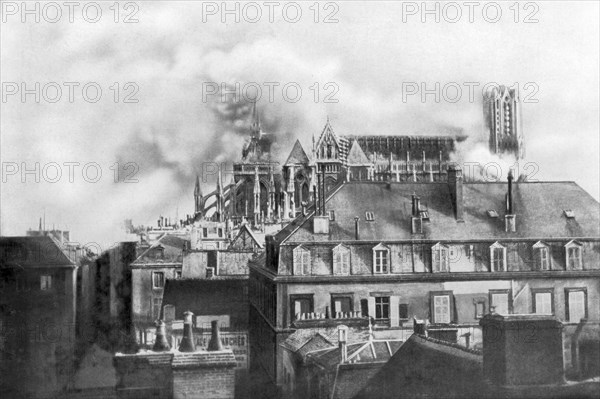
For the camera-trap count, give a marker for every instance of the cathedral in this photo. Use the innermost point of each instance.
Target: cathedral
(265, 191)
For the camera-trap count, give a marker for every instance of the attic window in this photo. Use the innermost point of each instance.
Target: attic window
(569, 214)
(424, 215)
(369, 217)
(492, 213)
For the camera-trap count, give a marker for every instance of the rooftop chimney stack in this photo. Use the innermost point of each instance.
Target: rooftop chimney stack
(160, 343)
(215, 343)
(455, 184)
(356, 228)
(187, 342)
(343, 341)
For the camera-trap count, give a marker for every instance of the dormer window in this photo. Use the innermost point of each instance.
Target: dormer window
(497, 257)
(569, 214)
(381, 259)
(542, 255)
(301, 261)
(341, 260)
(439, 258)
(573, 253)
(332, 215)
(369, 216)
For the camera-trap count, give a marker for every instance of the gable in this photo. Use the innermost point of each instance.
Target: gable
(297, 155)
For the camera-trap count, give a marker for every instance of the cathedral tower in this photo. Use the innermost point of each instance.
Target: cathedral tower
(502, 113)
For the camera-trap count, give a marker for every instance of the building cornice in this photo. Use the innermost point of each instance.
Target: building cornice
(437, 240)
(436, 277)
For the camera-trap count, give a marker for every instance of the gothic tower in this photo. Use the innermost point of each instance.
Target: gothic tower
(502, 113)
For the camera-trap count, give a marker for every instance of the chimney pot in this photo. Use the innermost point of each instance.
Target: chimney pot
(160, 343)
(356, 228)
(455, 184)
(187, 342)
(215, 343)
(343, 340)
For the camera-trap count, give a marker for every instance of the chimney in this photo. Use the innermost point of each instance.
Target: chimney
(509, 218)
(160, 342)
(416, 205)
(356, 228)
(343, 341)
(187, 342)
(215, 339)
(415, 220)
(455, 184)
(511, 361)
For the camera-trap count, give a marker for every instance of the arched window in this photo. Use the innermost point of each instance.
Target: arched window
(341, 260)
(440, 260)
(301, 261)
(381, 259)
(573, 254)
(541, 256)
(497, 257)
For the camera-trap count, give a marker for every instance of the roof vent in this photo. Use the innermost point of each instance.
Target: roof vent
(569, 214)
(492, 213)
(369, 216)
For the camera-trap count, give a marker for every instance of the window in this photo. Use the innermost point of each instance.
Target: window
(541, 255)
(301, 261)
(439, 258)
(364, 307)
(332, 215)
(301, 304)
(158, 279)
(479, 308)
(45, 282)
(381, 259)
(498, 257)
(500, 301)
(382, 307)
(576, 304)
(220, 233)
(442, 308)
(341, 260)
(369, 216)
(204, 232)
(403, 311)
(156, 308)
(177, 274)
(341, 303)
(573, 252)
(543, 301)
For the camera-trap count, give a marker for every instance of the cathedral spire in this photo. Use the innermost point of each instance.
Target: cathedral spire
(255, 127)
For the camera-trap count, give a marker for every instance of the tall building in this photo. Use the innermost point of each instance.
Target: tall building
(447, 252)
(37, 317)
(502, 114)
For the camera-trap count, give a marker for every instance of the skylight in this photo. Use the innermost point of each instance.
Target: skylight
(569, 213)
(492, 213)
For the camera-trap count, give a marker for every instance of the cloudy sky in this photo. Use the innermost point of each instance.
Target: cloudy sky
(362, 64)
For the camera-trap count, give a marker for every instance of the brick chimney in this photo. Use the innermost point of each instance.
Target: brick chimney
(187, 342)
(522, 350)
(455, 185)
(509, 217)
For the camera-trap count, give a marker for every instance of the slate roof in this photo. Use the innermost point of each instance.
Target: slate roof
(302, 336)
(297, 155)
(32, 252)
(539, 209)
(351, 379)
(173, 250)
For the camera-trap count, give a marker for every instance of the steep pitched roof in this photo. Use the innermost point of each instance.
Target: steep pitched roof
(538, 207)
(239, 240)
(357, 156)
(173, 250)
(297, 155)
(32, 252)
